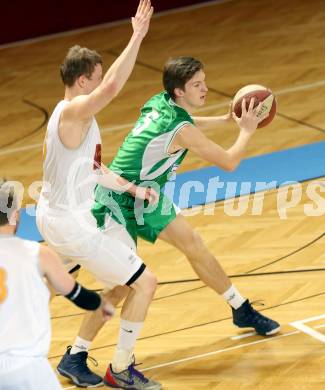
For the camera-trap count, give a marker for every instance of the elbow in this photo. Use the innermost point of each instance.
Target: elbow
(230, 166)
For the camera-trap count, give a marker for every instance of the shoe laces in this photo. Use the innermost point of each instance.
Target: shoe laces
(82, 361)
(257, 315)
(93, 360)
(135, 373)
(258, 302)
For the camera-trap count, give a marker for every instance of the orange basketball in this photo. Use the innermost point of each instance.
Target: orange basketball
(261, 94)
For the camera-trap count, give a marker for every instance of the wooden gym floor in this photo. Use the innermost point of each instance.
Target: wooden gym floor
(188, 341)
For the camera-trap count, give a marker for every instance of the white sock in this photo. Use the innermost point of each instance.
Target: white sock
(80, 345)
(233, 297)
(129, 332)
(122, 359)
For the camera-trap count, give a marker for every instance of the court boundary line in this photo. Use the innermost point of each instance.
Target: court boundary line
(217, 352)
(309, 330)
(112, 129)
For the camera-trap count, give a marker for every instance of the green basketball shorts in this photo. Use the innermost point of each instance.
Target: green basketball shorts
(139, 218)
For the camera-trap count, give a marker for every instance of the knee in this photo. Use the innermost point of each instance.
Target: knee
(146, 284)
(193, 244)
(116, 295)
(150, 282)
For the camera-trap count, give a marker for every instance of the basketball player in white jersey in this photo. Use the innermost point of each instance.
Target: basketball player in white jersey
(72, 168)
(25, 330)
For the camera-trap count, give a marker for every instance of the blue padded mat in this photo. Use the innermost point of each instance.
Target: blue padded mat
(267, 171)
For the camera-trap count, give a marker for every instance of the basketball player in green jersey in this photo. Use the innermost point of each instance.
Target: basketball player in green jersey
(155, 147)
(151, 152)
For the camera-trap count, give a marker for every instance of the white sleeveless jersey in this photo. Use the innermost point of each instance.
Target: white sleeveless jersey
(25, 329)
(69, 174)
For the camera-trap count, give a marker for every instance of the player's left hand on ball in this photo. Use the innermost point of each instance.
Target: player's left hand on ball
(249, 120)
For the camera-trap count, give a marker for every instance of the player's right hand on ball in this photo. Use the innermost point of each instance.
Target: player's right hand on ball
(141, 20)
(249, 120)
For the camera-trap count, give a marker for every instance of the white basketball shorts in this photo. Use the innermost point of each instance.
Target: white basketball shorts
(108, 254)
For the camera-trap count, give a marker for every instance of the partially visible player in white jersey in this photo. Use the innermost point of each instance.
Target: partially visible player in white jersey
(25, 330)
(72, 168)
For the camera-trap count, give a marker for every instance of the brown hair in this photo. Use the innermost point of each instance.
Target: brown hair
(79, 61)
(8, 202)
(178, 71)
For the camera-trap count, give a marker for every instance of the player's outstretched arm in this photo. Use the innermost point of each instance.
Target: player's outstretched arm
(206, 122)
(63, 283)
(113, 181)
(85, 106)
(190, 137)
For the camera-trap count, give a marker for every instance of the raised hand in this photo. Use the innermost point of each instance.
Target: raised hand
(141, 20)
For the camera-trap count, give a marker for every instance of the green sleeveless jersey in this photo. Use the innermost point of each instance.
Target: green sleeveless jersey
(144, 155)
(142, 158)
